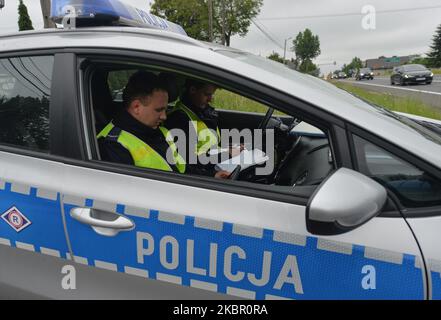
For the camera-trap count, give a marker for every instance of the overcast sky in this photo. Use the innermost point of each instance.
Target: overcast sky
(402, 27)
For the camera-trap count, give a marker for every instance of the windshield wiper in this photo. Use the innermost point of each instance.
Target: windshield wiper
(431, 126)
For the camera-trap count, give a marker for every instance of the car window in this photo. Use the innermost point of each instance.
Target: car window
(414, 187)
(290, 162)
(25, 90)
(228, 100)
(414, 67)
(117, 80)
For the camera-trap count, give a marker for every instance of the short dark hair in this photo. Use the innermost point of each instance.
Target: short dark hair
(197, 84)
(141, 85)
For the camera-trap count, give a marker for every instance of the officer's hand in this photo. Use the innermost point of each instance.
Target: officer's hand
(222, 175)
(236, 150)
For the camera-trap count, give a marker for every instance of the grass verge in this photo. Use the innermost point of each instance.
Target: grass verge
(227, 100)
(391, 102)
(224, 99)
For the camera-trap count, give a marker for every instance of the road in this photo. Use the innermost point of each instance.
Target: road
(430, 94)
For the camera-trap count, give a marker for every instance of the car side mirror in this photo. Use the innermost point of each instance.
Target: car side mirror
(343, 202)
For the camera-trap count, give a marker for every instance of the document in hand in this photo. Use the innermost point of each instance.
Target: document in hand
(245, 159)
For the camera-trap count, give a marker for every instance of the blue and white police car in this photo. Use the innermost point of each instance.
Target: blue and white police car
(352, 209)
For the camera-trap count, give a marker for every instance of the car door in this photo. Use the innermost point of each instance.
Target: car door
(418, 191)
(399, 75)
(32, 238)
(274, 258)
(426, 226)
(146, 234)
(394, 72)
(237, 245)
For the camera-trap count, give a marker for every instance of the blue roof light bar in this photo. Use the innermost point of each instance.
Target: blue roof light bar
(109, 13)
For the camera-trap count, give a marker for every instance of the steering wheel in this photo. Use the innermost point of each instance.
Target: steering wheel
(285, 162)
(266, 119)
(235, 174)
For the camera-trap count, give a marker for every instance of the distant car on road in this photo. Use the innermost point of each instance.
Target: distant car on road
(411, 73)
(342, 75)
(364, 73)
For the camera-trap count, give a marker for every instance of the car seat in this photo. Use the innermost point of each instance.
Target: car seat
(104, 108)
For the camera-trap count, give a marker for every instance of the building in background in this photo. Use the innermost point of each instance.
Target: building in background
(383, 63)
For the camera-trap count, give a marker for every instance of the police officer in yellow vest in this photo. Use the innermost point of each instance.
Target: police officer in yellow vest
(194, 112)
(136, 136)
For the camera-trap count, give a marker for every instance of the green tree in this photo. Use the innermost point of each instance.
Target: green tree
(345, 68)
(24, 21)
(306, 47)
(307, 66)
(424, 61)
(276, 57)
(238, 16)
(192, 15)
(355, 64)
(435, 53)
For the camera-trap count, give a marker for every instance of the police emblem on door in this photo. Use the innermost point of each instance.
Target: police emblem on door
(17, 220)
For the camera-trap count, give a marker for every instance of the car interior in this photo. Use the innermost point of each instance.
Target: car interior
(301, 157)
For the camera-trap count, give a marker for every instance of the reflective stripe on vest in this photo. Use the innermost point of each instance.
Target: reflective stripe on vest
(143, 155)
(207, 138)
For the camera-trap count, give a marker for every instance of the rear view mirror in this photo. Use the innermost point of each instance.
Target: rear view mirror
(344, 201)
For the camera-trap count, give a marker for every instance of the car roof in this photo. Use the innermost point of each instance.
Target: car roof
(414, 65)
(313, 90)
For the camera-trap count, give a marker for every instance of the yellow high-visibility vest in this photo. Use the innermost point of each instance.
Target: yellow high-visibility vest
(143, 155)
(207, 138)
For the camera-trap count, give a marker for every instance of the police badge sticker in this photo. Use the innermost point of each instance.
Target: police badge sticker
(17, 220)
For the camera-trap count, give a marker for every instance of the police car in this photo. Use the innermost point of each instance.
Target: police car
(352, 209)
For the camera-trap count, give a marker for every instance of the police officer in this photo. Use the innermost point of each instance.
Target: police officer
(136, 136)
(194, 112)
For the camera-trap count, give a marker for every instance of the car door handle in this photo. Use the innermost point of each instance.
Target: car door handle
(104, 223)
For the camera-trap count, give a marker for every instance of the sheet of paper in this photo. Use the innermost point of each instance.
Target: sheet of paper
(213, 152)
(245, 159)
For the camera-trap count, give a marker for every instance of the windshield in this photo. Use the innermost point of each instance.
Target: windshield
(427, 130)
(259, 62)
(365, 70)
(414, 67)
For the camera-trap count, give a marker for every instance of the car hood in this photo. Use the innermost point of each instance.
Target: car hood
(419, 118)
(418, 73)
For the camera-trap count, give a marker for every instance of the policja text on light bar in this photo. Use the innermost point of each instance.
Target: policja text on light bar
(109, 13)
